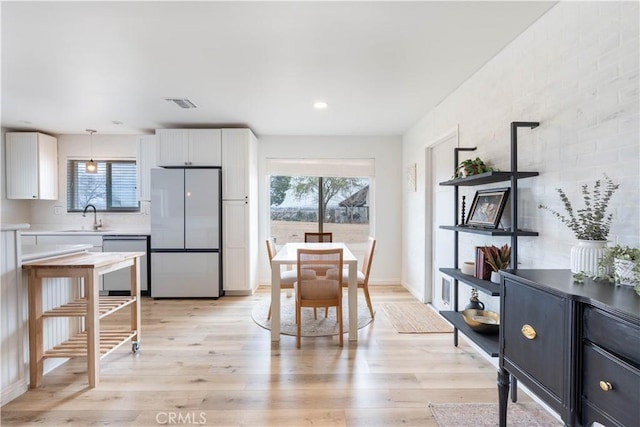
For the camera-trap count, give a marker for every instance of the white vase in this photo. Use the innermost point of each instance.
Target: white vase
(585, 256)
(623, 271)
(495, 276)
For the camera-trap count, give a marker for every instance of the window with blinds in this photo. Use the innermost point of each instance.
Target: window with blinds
(112, 189)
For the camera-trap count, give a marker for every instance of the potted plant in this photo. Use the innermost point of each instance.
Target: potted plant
(472, 167)
(498, 259)
(590, 224)
(621, 265)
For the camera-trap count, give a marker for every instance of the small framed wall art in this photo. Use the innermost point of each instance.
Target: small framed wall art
(411, 178)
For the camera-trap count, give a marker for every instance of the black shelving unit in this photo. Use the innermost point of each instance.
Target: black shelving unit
(486, 286)
(488, 231)
(487, 178)
(488, 343)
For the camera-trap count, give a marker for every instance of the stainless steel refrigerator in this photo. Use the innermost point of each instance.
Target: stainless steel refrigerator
(186, 222)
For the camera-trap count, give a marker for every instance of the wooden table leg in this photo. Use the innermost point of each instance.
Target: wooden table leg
(275, 303)
(93, 327)
(136, 323)
(36, 360)
(352, 291)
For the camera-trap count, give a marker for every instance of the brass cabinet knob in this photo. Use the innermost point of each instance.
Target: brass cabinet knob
(528, 332)
(605, 385)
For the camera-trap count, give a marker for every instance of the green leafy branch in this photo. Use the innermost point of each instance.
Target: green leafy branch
(591, 222)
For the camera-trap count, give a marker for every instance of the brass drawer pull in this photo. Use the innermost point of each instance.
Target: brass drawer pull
(606, 386)
(528, 332)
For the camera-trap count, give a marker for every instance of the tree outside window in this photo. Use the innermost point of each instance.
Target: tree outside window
(111, 189)
(302, 204)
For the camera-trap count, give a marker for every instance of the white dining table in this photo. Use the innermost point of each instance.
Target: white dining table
(287, 255)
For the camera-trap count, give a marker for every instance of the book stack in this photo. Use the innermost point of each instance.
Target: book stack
(483, 270)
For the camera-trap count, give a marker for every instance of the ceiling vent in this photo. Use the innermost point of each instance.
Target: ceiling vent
(182, 102)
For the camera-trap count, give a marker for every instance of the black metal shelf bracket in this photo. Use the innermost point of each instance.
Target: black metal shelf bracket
(456, 162)
(514, 185)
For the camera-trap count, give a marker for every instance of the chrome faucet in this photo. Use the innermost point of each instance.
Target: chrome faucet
(96, 226)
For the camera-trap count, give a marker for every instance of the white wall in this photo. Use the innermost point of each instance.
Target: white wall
(41, 212)
(386, 226)
(575, 70)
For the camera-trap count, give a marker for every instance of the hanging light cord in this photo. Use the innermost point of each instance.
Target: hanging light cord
(91, 166)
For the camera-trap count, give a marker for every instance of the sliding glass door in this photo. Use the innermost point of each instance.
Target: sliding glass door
(340, 205)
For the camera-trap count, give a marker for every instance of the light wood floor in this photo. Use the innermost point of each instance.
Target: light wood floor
(206, 362)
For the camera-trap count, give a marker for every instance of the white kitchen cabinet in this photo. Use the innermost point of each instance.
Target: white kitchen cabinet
(239, 248)
(28, 240)
(239, 211)
(188, 147)
(146, 159)
(31, 165)
(74, 239)
(239, 164)
(205, 147)
(119, 281)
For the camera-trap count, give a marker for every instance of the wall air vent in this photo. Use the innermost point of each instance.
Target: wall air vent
(182, 102)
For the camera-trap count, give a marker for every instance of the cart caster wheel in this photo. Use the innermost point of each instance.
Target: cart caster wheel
(135, 347)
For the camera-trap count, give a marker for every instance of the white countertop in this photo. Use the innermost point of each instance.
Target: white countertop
(33, 252)
(70, 231)
(13, 227)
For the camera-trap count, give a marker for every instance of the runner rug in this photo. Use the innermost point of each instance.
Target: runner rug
(415, 318)
(486, 415)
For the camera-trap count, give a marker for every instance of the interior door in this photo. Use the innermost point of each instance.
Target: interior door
(442, 214)
(202, 209)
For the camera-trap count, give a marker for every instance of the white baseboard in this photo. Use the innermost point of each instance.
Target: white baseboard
(14, 390)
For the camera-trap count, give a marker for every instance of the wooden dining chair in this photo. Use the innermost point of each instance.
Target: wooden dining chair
(318, 237)
(287, 277)
(320, 270)
(319, 291)
(363, 274)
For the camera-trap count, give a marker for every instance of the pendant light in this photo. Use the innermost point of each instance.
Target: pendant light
(91, 166)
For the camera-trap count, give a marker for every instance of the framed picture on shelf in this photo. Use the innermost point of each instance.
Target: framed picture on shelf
(487, 206)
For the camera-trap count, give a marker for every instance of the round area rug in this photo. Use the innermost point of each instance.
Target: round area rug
(310, 327)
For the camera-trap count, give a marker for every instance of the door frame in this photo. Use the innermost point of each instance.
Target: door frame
(429, 245)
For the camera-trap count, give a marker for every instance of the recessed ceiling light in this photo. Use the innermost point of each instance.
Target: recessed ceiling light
(320, 105)
(116, 122)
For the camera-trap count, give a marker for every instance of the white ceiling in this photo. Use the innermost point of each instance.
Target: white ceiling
(68, 66)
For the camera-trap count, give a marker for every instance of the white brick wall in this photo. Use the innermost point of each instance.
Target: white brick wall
(576, 70)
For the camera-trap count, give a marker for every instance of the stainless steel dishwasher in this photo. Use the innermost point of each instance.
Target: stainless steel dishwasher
(119, 282)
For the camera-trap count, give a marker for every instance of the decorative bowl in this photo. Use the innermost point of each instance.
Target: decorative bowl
(485, 322)
(468, 267)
